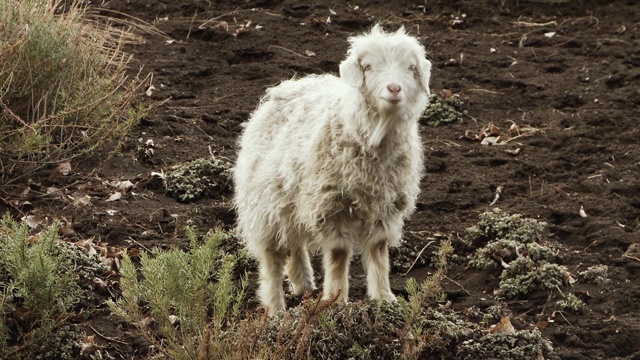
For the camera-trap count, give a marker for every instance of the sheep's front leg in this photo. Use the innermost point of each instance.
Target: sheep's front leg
(336, 273)
(300, 271)
(375, 259)
(270, 292)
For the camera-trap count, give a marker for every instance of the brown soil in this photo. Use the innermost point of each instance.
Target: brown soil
(579, 87)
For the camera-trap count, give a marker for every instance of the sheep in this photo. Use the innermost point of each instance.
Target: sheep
(334, 164)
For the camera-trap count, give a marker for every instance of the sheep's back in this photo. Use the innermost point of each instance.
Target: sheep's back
(275, 144)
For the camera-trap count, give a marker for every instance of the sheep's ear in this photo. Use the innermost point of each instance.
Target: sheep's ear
(351, 72)
(424, 69)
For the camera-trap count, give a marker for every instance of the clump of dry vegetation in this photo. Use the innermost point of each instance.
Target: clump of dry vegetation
(64, 89)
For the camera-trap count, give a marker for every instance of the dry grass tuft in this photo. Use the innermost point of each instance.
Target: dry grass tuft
(65, 90)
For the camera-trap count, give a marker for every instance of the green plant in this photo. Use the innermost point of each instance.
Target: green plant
(515, 245)
(191, 296)
(443, 110)
(597, 274)
(64, 89)
(572, 303)
(41, 281)
(522, 345)
(200, 177)
(525, 275)
(497, 224)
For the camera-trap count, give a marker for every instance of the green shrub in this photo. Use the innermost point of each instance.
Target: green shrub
(41, 281)
(64, 88)
(191, 296)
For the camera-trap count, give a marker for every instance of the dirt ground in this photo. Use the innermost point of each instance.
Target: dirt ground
(570, 69)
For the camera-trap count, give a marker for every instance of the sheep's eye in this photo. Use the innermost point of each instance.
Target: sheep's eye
(412, 68)
(366, 67)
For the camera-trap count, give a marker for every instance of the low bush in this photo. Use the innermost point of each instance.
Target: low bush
(183, 302)
(41, 282)
(65, 90)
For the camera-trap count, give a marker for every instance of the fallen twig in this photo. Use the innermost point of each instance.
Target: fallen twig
(417, 257)
(106, 337)
(498, 192)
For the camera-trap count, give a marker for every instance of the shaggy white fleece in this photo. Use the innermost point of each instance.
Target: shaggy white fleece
(334, 164)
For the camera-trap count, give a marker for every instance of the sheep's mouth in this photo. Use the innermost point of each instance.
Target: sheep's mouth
(394, 100)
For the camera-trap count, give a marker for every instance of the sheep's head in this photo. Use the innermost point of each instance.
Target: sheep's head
(390, 69)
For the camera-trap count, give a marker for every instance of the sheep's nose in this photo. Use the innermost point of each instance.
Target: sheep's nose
(394, 88)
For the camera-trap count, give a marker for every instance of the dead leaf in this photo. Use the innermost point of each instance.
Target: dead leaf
(145, 323)
(80, 200)
(633, 252)
(149, 91)
(583, 214)
(123, 185)
(33, 220)
(490, 140)
(174, 320)
(67, 231)
(101, 285)
(310, 53)
(64, 168)
(54, 191)
(503, 327)
(115, 196)
(88, 346)
(568, 278)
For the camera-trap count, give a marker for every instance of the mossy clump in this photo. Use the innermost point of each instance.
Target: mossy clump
(441, 110)
(571, 303)
(204, 177)
(380, 330)
(497, 224)
(597, 274)
(65, 342)
(522, 345)
(516, 245)
(403, 255)
(231, 243)
(525, 275)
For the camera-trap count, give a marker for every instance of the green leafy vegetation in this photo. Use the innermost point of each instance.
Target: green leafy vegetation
(516, 245)
(572, 303)
(198, 178)
(441, 110)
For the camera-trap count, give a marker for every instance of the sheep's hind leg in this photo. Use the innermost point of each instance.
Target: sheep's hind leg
(336, 273)
(375, 259)
(300, 271)
(270, 292)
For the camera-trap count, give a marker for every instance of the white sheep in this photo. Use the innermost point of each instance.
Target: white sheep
(334, 163)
